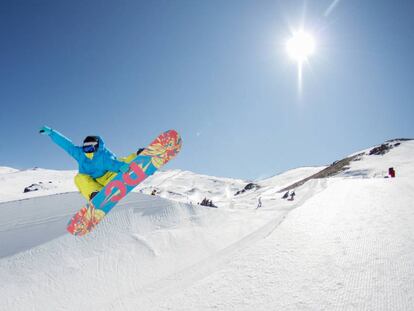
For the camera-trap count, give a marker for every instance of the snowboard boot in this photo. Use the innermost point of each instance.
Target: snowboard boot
(92, 195)
(140, 150)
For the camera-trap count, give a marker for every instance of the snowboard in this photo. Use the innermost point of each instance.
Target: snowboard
(159, 152)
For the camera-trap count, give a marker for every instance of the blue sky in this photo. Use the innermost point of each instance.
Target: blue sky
(216, 71)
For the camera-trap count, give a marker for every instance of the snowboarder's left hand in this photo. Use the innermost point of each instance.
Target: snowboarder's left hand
(45, 130)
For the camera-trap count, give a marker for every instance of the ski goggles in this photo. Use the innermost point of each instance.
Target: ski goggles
(90, 147)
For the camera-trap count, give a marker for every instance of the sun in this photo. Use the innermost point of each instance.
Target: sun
(300, 46)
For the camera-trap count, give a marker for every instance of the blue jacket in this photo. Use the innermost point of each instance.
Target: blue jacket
(103, 159)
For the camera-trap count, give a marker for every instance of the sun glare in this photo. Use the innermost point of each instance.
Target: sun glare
(300, 46)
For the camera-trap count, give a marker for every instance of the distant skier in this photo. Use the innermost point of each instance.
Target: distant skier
(292, 195)
(259, 203)
(286, 195)
(97, 164)
(391, 172)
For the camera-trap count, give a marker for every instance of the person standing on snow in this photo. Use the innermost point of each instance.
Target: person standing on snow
(97, 164)
(292, 195)
(391, 172)
(259, 203)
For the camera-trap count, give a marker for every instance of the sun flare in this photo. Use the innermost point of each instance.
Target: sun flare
(300, 46)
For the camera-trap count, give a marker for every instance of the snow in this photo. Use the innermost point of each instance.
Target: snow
(352, 253)
(344, 243)
(7, 170)
(13, 182)
(401, 158)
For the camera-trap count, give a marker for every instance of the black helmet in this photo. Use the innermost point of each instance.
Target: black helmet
(90, 144)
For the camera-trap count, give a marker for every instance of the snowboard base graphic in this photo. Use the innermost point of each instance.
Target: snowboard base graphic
(159, 152)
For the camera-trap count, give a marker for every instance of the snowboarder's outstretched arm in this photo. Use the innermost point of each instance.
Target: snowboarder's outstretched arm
(60, 140)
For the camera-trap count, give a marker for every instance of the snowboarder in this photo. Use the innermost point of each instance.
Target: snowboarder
(97, 164)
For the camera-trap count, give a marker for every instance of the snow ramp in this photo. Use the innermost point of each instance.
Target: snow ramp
(139, 245)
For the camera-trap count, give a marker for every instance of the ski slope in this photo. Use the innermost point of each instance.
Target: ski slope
(344, 243)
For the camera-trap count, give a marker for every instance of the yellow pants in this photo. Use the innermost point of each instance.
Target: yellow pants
(86, 184)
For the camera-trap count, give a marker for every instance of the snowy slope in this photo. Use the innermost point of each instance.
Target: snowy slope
(350, 247)
(335, 247)
(371, 166)
(7, 170)
(48, 182)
